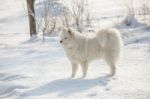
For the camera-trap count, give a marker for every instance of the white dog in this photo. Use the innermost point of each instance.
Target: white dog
(82, 49)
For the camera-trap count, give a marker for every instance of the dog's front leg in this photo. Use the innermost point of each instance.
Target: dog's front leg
(84, 68)
(74, 69)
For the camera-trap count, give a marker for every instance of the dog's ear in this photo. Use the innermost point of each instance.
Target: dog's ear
(70, 32)
(65, 29)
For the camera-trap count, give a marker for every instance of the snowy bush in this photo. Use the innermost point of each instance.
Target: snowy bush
(130, 19)
(144, 12)
(77, 15)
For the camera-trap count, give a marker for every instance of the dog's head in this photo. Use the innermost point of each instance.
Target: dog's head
(66, 36)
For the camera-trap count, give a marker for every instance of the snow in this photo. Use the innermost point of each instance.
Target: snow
(40, 70)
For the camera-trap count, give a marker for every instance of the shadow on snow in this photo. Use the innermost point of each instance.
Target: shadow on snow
(7, 88)
(64, 87)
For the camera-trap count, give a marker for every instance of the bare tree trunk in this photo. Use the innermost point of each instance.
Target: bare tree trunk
(31, 14)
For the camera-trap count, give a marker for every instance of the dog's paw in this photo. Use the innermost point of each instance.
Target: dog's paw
(72, 76)
(84, 76)
(110, 75)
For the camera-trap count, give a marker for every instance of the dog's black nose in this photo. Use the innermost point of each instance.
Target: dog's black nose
(60, 41)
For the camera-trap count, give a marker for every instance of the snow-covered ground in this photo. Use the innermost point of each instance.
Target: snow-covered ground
(36, 70)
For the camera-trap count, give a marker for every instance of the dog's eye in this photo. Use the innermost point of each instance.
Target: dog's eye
(65, 37)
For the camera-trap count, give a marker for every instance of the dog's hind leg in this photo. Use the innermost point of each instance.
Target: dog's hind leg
(74, 69)
(84, 66)
(112, 65)
(113, 69)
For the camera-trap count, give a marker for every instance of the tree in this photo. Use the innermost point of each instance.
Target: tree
(31, 14)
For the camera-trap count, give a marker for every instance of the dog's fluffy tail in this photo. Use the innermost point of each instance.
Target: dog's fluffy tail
(111, 42)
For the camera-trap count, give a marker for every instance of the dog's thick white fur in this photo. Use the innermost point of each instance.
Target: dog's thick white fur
(82, 49)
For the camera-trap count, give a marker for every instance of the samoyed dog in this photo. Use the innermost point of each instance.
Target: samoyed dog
(81, 49)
